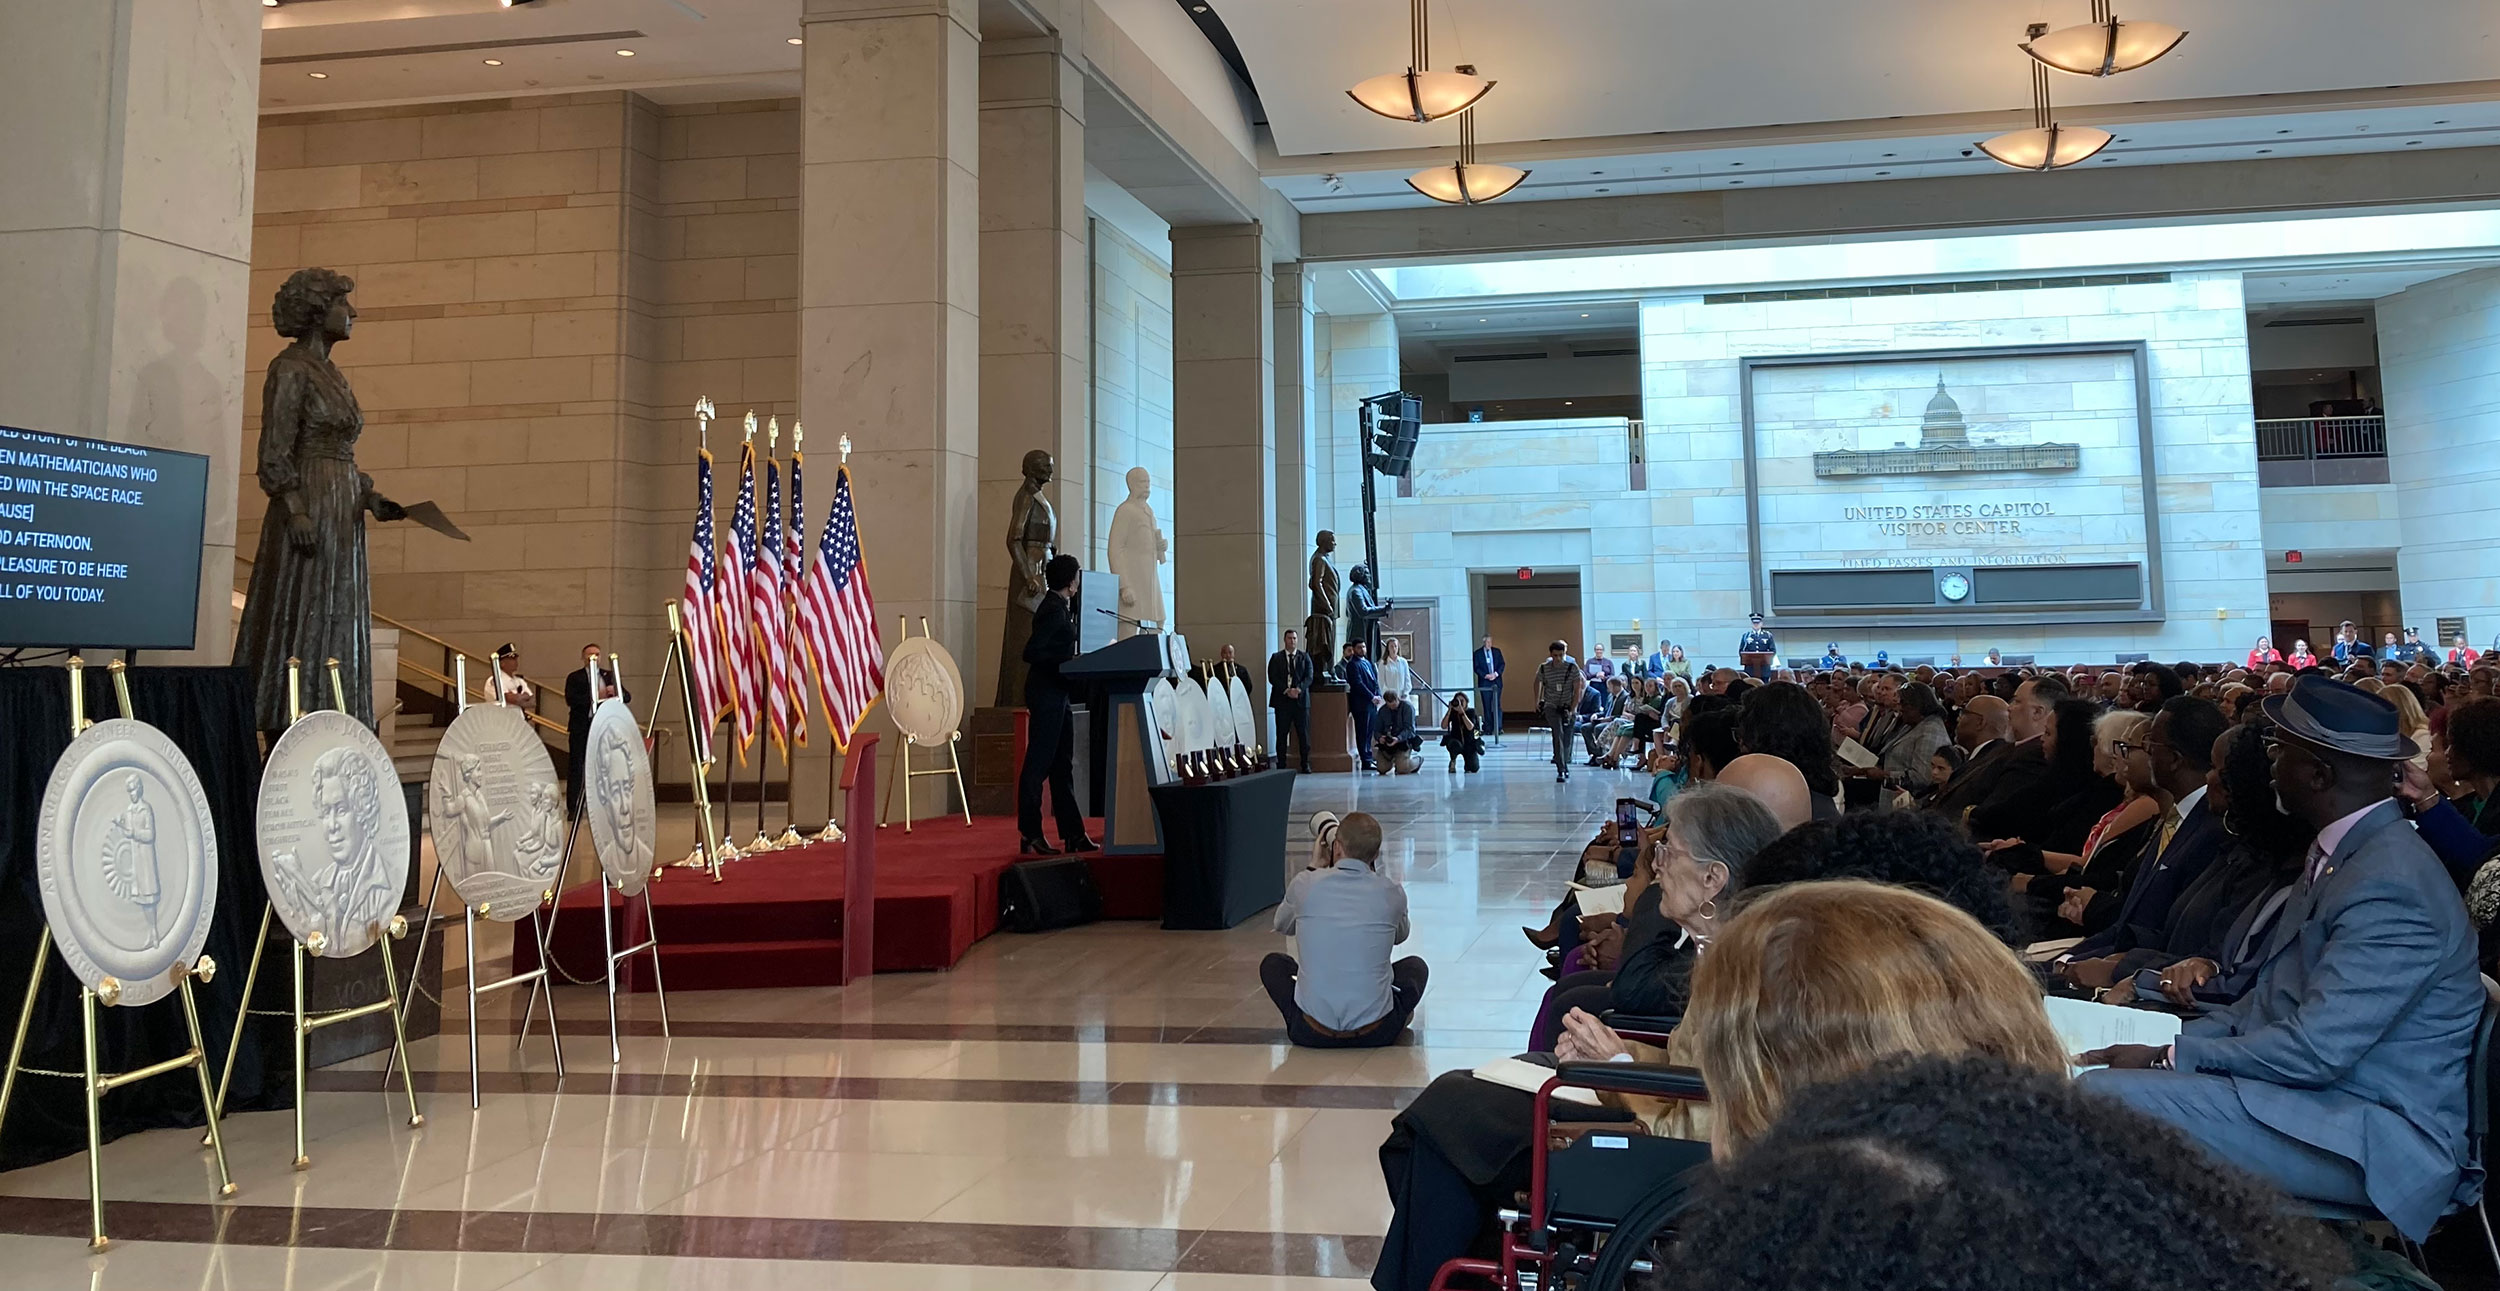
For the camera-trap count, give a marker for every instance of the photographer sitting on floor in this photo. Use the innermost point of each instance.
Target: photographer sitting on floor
(1344, 994)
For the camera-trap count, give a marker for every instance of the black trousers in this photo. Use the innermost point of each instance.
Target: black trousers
(1049, 754)
(1406, 989)
(1293, 718)
(1360, 709)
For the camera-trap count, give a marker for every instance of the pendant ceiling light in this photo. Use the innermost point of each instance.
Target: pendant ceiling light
(2104, 46)
(2046, 145)
(1419, 93)
(1468, 181)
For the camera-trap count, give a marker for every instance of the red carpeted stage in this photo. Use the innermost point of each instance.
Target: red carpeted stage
(777, 920)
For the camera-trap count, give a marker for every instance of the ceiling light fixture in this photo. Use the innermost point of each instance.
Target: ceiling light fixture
(624, 53)
(318, 76)
(798, 40)
(268, 4)
(1466, 182)
(2103, 47)
(1419, 93)
(494, 62)
(2046, 145)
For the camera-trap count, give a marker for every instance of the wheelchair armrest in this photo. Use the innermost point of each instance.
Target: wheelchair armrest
(1647, 1028)
(1681, 1084)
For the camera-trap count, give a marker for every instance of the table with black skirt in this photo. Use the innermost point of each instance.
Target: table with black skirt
(207, 712)
(1223, 848)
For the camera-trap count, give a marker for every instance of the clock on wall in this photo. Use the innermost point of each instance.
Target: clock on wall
(1955, 586)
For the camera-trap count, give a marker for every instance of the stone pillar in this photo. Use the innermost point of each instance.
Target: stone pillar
(889, 303)
(1224, 443)
(1033, 299)
(2443, 422)
(1297, 448)
(126, 240)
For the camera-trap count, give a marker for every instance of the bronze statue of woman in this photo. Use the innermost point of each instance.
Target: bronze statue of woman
(311, 597)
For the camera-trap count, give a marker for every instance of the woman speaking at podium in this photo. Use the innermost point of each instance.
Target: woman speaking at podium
(1050, 739)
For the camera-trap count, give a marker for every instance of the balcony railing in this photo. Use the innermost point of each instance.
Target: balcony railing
(2321, 450)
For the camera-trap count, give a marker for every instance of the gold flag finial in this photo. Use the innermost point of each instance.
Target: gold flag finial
(845, 445)
(750, 425)
(798, 431)
(772, 433)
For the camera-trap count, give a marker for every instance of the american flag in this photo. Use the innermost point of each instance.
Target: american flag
(738, 645)
(703, 670)
(838, 620)
(792, 679)
(764, 602)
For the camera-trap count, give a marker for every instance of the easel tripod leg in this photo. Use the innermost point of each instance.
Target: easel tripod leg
(25, 1018)
(300, 1028)
(95, 1125)
(468, 948)
(251, 981)
(399, 1033)
(199, 1068)
(607, 948)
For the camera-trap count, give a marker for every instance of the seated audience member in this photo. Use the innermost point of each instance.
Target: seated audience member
(2150, 684)
(1782, 720)
(1345, 993)
(2077, 793)
(2225, 911)
(1394, 740)
(1459, 1152)
(1672, 908)
(1910, 1176)
(1923, 731)
(2181, 742)
(2044, 879)
(1981, 731)
(1775, 783)
(2018, 785)
(1942, 766)
(2336, 1076)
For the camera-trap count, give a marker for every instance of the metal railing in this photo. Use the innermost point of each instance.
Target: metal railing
(2309, 439)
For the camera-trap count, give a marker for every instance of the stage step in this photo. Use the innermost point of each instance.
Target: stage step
(742, 965)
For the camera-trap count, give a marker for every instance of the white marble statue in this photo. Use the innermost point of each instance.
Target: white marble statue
(1138, 550)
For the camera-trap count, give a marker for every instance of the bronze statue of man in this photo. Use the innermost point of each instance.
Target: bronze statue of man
(1320, 629)
(1368, 609)
(311, 595)
(1032, 539)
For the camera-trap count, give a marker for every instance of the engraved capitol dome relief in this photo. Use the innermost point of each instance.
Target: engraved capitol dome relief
(126, 859)
(333, 832)
(496, 811)
(1945, 447)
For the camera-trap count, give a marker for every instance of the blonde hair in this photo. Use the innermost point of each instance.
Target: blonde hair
(1818, 981)
(2409, 718)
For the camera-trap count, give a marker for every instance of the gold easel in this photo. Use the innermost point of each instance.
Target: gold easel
(300, 1023)
(108, 993)
(707, 854)
(954, 762)
(468, 942)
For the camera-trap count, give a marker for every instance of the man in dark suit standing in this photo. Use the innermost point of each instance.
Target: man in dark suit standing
(1489, 669)
(579, 703)
(1050, 737)
(2337, 1076)
(1362, 685)
(1289, 694)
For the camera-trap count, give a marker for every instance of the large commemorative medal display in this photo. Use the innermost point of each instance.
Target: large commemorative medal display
(923, 690)
(126, 858)
(497, 813)
(333, 833)
(617, 796)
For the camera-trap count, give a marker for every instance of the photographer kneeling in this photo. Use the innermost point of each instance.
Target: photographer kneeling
(1345, 994)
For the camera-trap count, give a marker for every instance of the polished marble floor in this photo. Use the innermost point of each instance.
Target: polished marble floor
(1105, 1107)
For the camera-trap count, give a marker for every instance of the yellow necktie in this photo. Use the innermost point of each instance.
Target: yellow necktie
(2169, 827)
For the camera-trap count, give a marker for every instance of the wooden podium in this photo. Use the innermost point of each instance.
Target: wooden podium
(1756, 663)
(1133, 759)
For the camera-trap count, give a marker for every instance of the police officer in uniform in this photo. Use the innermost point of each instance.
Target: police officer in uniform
(1758, 642)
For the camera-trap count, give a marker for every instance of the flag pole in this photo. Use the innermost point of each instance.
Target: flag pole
(790, 836)
(763, 657)
(832, 832)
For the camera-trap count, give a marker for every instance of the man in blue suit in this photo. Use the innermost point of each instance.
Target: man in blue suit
(1489, 669)
(2340, 1075)
(1362, 683)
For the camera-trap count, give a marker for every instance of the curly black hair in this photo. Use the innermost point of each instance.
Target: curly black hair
(2249, 809)
(1784, 720)
(1969, 1173)
(1912, 849)
(305, 299)
(2474, 738)
(1711, 733)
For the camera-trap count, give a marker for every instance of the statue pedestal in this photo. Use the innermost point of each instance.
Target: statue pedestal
(1332, 732)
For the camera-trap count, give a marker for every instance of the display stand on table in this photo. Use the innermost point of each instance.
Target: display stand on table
(1134, 762)
(302, 1024)
(108, 992)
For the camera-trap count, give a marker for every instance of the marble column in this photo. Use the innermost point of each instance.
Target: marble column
(1033, 299)
(1297, 447)
(126, 240)
(2437, 368)
(889, 304)
(1224, 442)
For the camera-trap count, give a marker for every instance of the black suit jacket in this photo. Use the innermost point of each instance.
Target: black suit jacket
(2013, 795)
(1495, 666)
(1971, 784)
(1053, 643)
(1288, 671)
(578, 706)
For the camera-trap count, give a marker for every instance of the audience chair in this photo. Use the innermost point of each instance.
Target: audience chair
(1649, 1030)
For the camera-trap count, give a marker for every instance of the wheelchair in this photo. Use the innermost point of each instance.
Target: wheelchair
(1601, 1198)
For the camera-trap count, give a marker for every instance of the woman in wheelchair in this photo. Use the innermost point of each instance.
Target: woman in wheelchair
(1815, 989)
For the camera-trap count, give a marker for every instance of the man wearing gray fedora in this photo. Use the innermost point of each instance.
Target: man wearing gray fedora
(2340, 1075)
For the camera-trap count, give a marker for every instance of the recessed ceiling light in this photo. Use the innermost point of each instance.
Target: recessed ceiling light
(494, 62)
(624, 53)
(1566, 403)
(268, 4)
(1583, 315)
(798, 40)
(318, 76)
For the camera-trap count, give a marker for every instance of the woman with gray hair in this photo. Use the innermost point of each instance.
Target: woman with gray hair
(1671, 908)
